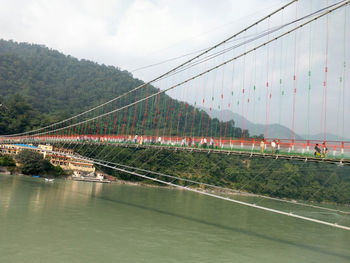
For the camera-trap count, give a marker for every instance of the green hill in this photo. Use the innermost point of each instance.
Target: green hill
(55, 83)
(39, 86)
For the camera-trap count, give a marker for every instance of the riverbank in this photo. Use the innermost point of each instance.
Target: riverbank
(17, 171)
(4, 170)
(222, 191)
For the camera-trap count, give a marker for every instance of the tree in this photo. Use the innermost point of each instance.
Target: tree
(33, 162)
(58, 171)
(7, 160)
(18, 116)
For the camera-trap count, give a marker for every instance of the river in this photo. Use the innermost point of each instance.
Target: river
(68, 221)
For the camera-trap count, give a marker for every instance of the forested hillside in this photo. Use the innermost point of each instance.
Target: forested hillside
(39, 86)
(55, 83)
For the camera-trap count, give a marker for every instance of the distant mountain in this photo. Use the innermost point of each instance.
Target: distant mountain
(274, 130)
(329, 137)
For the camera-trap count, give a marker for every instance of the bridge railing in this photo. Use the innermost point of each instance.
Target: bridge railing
(335, 149)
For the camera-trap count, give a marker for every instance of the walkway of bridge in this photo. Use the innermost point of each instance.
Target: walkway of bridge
(285, 149)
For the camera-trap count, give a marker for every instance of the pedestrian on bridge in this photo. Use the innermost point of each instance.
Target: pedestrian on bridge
(183, 142)
(190, 142)
(273, 146)
(205, 143)
(317, 151)
(278, 147)
(212, 143)
(324, 150)
(262, 146)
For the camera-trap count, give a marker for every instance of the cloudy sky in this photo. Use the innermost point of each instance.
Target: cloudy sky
(130, 34)
(127, 33)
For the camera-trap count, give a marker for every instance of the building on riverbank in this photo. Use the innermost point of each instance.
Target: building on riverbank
(73, 164)
(58, 156)
(14, 149)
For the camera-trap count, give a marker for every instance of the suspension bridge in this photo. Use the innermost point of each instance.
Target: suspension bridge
(288, 67)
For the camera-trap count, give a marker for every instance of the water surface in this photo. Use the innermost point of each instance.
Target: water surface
(68, 221)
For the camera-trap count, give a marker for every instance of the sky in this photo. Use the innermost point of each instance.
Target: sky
(130, 34)
(126, 33)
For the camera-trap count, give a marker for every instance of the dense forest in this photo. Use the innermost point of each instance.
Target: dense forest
(55, 83)
(16, 115)
(39, 86)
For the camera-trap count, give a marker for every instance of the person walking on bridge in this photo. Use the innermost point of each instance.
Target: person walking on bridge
(278, 147)
(324, 150)
(273, 146)
(317, 151)
(183, 142)
(262, 146)
(190, 142)
(212, 143)
(205, 142)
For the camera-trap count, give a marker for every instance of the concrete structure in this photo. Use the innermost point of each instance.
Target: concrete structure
(58, 158)
(14, 149)
(68, 163)
(45, 148)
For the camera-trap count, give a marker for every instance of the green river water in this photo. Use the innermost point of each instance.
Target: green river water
(68, 221)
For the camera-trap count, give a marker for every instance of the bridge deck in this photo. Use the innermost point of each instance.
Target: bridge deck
(242, 152)
(250, 153)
